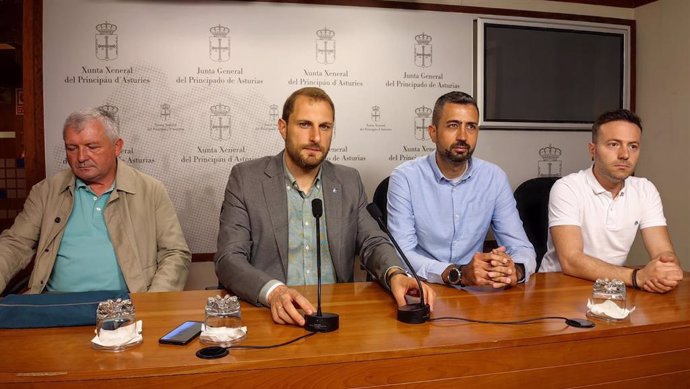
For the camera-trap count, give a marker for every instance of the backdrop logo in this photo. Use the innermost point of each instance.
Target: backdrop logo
(325, 46)
(111, 110)
(421, 122)
(273, 113)
(549, 166)
(376, 113)
(219, 44)
(220, 122)
(165, 112)
(106, 41)
(422, 50)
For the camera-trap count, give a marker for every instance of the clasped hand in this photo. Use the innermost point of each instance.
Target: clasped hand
(495, 268)
(661, 274)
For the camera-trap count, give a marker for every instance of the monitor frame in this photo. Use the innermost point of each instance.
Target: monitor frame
(479, 63)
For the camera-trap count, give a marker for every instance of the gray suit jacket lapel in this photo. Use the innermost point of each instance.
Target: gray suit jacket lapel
(332, 197)
(276, 204)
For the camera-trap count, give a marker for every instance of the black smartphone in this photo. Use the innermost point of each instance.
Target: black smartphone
(182, 334)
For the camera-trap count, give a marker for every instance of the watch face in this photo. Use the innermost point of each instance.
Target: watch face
(454, 276)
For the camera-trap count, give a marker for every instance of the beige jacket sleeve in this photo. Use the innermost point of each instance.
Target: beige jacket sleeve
(18, 243)
(146, 234)
(173, 256)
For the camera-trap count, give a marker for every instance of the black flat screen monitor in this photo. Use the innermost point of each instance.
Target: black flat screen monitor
(549, 76)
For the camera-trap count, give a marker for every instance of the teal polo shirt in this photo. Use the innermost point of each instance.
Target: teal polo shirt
(86, 258)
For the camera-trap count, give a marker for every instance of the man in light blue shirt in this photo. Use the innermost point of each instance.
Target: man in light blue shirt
(440, 207)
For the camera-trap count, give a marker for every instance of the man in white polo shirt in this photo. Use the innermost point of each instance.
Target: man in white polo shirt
(594, 214)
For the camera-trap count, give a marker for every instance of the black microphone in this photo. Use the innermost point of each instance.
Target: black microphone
(317, 211)
(410, 313)
(320, 322)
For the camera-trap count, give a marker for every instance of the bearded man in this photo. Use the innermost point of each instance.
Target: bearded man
(440, 207)
(266, 236)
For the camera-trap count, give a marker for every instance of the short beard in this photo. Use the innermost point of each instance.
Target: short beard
(450, 156)
(302, 162)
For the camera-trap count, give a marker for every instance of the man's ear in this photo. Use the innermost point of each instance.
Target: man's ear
(591, 147)
(432, 132)
(282, 128)
(119, 144)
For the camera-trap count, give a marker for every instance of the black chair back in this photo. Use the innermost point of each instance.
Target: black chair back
(381, 198)
(532, 198)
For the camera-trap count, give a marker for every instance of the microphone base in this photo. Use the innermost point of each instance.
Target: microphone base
(326, 322)
(414, 313)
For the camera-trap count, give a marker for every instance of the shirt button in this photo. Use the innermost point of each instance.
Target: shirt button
(95, 198)
(98, 209)
(306, 223)
(306, 247)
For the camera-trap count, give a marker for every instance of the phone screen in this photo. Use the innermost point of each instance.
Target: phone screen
(183, 334)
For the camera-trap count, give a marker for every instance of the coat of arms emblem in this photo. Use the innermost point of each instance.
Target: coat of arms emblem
(106, 42)
(421, 122)
(219, 44)
(422, 50)
(549, 166)
(325, 46)
(220, 122)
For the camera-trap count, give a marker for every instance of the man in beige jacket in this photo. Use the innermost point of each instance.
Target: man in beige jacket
(100, 225)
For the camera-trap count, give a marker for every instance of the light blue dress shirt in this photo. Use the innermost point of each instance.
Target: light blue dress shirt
(86, 257)
(438, 221)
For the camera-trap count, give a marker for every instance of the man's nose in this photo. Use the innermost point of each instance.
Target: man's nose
(82, 155)
(461, 134)
(315, 134)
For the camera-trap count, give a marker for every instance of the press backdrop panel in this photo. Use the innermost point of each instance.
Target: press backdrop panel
(198, 88)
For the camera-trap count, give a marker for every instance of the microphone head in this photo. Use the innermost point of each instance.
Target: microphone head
(374, 211)
(316, 207)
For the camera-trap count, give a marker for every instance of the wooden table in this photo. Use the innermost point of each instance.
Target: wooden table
(372, 349)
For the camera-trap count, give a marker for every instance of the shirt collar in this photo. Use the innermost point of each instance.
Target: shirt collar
(438, 175)
(292, 181)
(79, 184)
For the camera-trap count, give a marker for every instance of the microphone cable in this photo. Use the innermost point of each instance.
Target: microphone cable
(213, 352)
(578, 323)
(250, 347)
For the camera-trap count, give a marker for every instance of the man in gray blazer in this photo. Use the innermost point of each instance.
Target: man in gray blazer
(266, 224)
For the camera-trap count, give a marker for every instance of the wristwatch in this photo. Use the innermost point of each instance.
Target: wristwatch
(455, 276)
